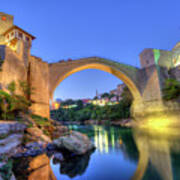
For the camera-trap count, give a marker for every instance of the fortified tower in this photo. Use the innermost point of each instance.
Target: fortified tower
(14, 37)
(6, 22)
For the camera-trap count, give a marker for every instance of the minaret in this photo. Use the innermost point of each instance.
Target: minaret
(97, 94)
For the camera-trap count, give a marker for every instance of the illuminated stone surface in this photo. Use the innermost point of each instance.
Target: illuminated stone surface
(156, 147)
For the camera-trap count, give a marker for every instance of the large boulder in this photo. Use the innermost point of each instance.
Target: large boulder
(75, 142)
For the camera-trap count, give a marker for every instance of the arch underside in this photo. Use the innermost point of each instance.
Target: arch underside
(122, 72)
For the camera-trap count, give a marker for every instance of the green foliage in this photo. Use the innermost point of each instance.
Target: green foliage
(127, 97)
(105, 95)
(79, 104)
(12, 104)
(111, 96)
(171, 89)
(26, 89)
(68, 102)
(80, 113)
(95, 98)
(40, 121)
(12, 87)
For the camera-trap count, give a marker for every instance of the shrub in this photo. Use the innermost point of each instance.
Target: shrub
(171, 89)
(11, 104)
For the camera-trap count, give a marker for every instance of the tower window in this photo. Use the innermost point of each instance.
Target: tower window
(27, 38)
(12, 33)
(20, 34)
(7, 36)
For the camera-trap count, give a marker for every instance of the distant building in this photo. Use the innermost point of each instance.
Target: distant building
(85, 101)
(117, 92)
(55, 104)
(109, 101)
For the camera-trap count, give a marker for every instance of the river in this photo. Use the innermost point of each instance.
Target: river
(123, 154)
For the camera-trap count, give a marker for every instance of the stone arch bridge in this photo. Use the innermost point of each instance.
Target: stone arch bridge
(128, 74)
(145, 83)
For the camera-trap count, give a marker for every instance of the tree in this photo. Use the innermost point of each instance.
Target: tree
(95, 98)
(127, 96)
(111, 96)
(105, 95)
(79, 104)
(68, 102)
(171, 89)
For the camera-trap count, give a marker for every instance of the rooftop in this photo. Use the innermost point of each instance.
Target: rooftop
(16, 27)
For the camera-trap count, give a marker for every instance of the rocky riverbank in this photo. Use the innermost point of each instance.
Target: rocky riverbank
(36, 137)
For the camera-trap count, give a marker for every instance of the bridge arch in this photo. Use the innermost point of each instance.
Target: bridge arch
(61, 70)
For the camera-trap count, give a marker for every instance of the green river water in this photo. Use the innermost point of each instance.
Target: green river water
(123, 154)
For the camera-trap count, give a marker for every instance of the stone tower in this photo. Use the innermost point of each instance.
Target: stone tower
(16, 38)
(6, 22)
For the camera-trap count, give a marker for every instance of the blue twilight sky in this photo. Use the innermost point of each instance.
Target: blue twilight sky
(114, 29)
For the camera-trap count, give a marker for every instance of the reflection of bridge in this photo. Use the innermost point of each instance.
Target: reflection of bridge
(156, 149)
(145, 83)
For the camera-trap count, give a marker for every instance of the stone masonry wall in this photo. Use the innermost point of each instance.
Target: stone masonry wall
(12, 68)
(6, 22)
(39, 78)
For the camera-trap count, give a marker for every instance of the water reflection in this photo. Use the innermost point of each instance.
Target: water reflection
(112, 139)
(116, 156)
(121, 154)
(73, 166)
(37, 168)
(157, 152)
